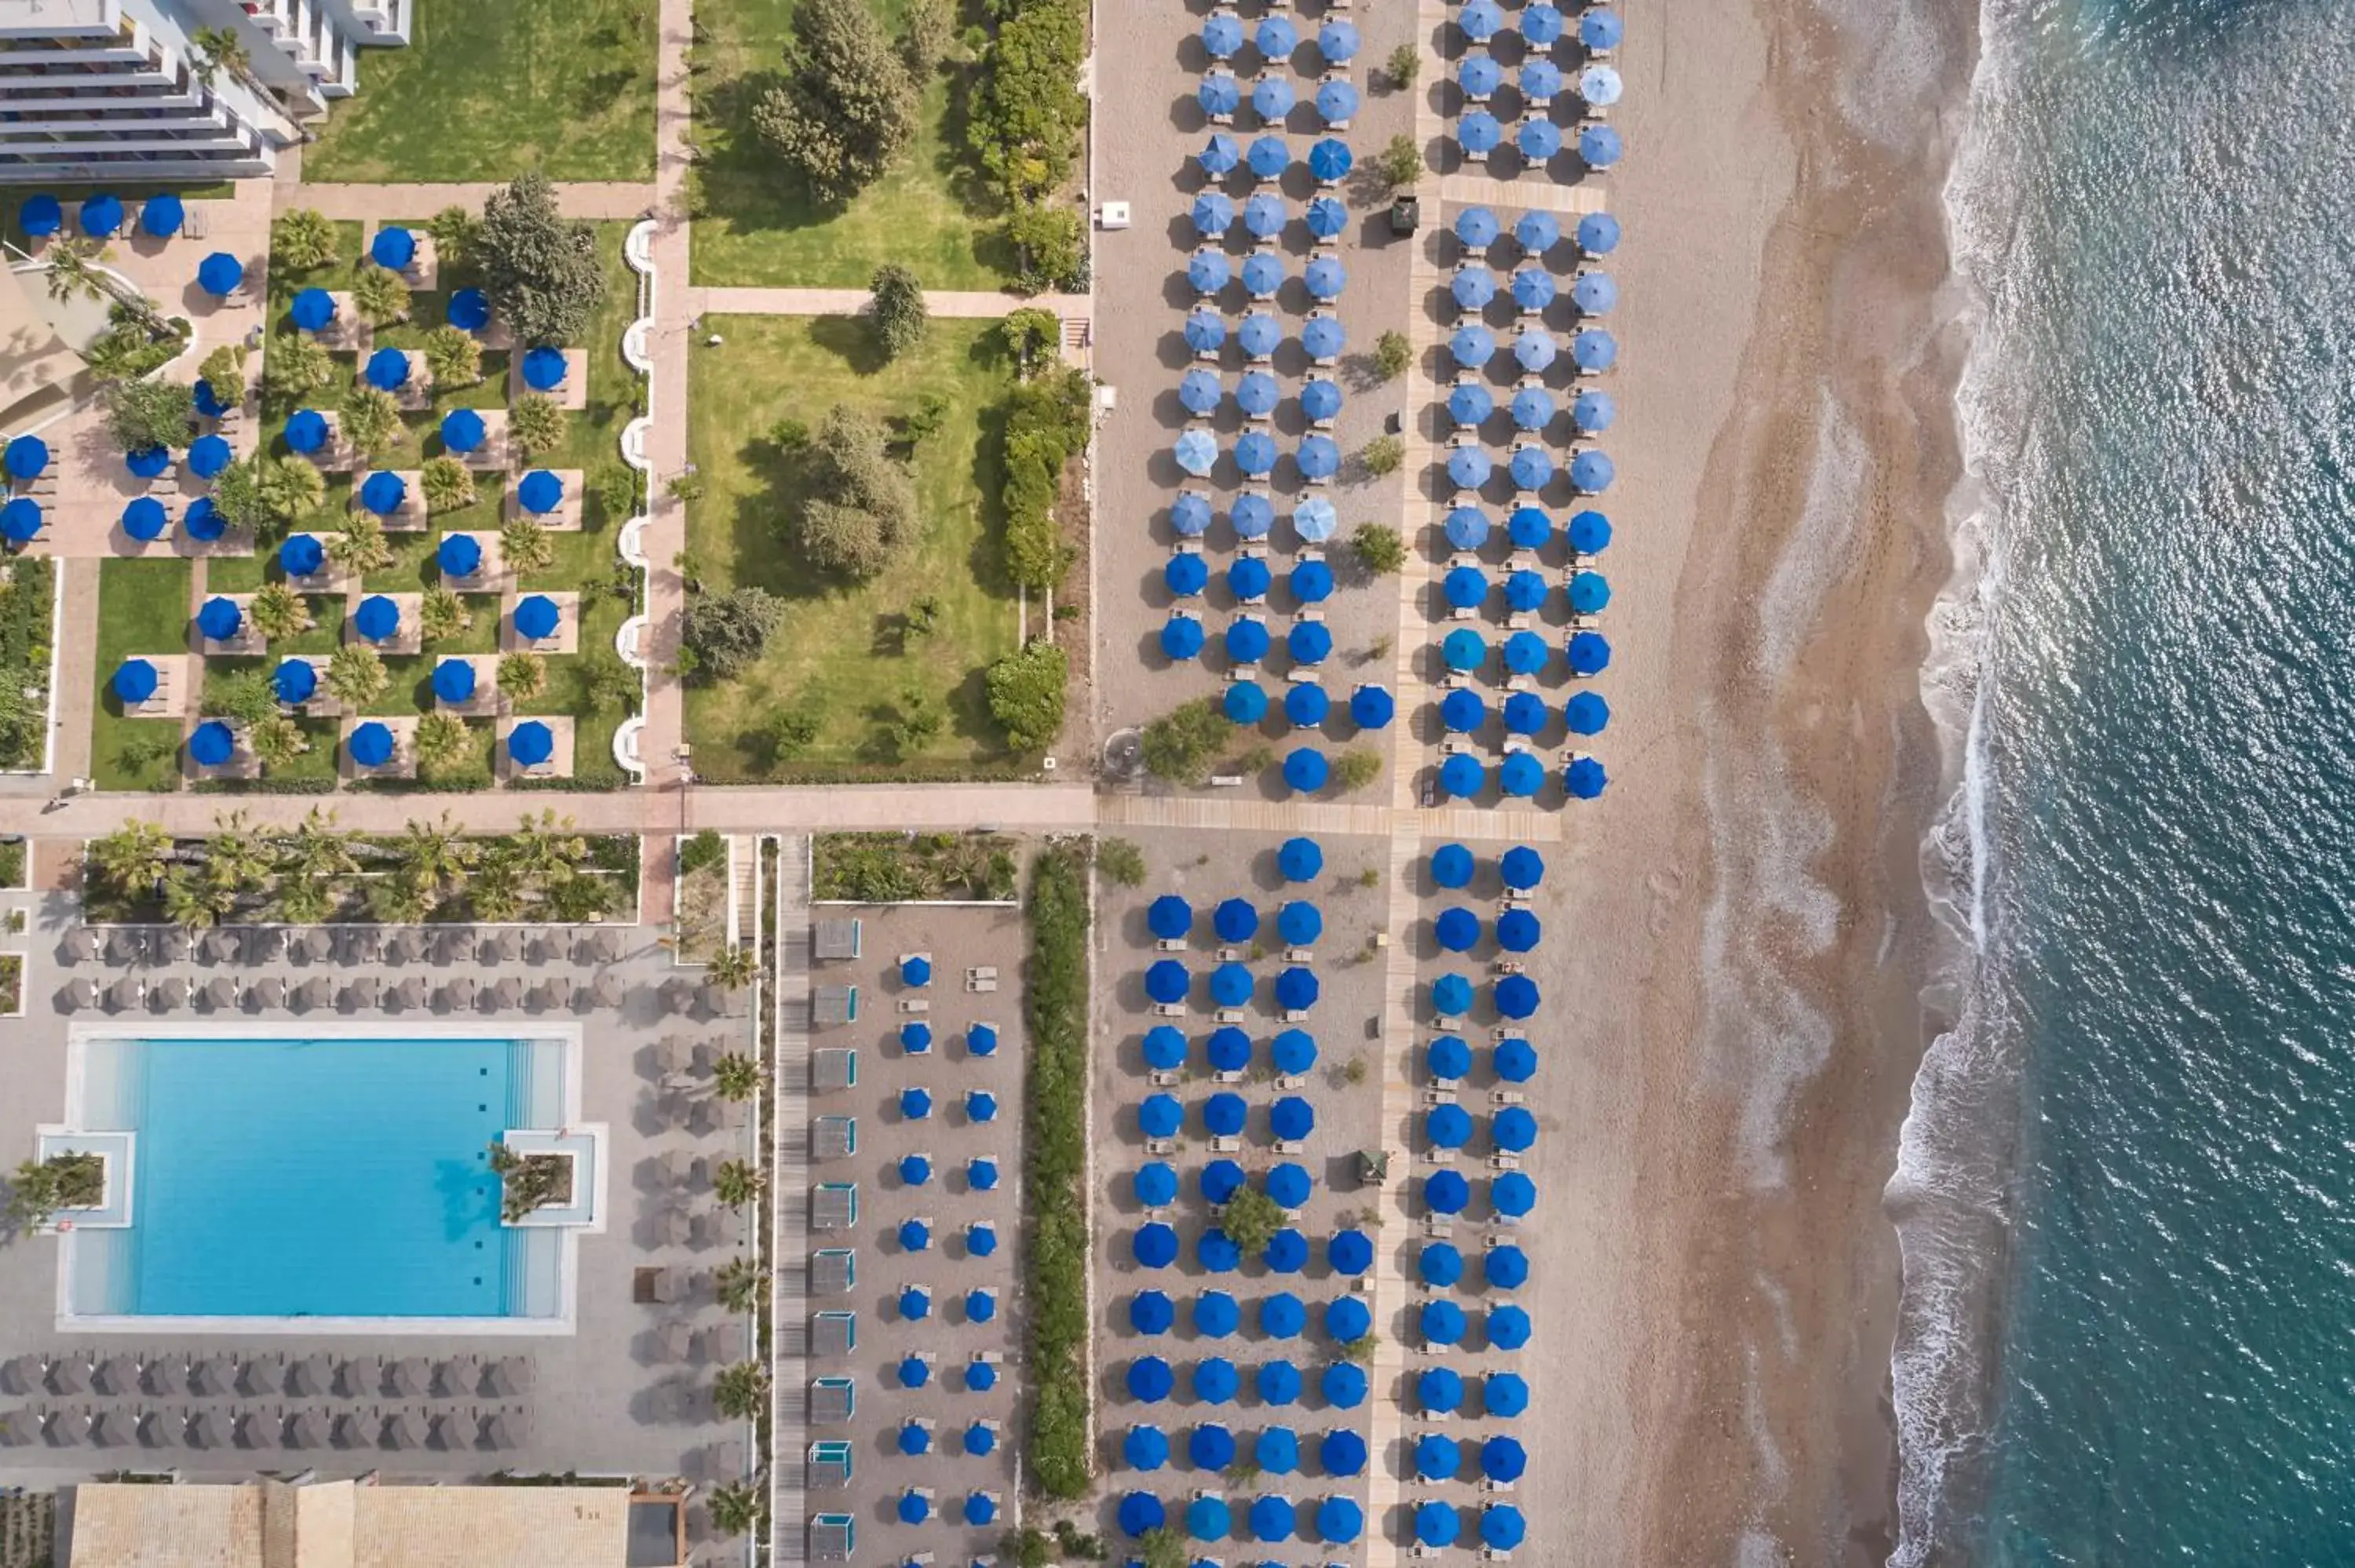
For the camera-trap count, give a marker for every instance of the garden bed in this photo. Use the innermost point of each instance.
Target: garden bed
(1056, 1190)
(702, 899)
(29, 596)
(912, 868)
(12, 985)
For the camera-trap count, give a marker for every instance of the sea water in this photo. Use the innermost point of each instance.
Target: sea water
(2127, 1187)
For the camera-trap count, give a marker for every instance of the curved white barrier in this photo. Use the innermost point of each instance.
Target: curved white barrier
(625, 747)
(630, 641)
(633, 443)
(638, 246)
(634, 346)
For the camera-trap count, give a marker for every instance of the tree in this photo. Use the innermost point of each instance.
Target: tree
(145, 414)
(526, 547)
(1392, 354)
(442, 739)
(740, 1390)
(39, 1188)
(523, 676)
(1047, 423)
(1399, 163)
(845, 110)
(542, 270)
(741, 1283)
(735, 1078)
(294, 366)
(615, 488)
(733, 967)
(722, 634)
(448, 485)
(370, 421)
(1026, 695)
(736, 1183)
(1027, 1548)
(1028, 117)
(218, 49)
(1383, 455)
(194, 903)
(73, 271)
(1179, 746)
(1403, 66)
(277, 741)
(244, 698)
(455, 232)
(859, 505)
(536, 425)
(1354, 770)
(927, 32)
(381, 298)
(1251, 1220)
(223, 371)
(530, 1181)
(288, 488)
(896, 306)
(1120, 861)
(319, 850)
(277, 611)
(128, 861)
(1051, 242)
(302, 240)
(359, 546)
(441, 613)
(453, 357)
(1379, 548)
(1029, 332)
(736, 1507)
(355, 676)
(1163, 1547)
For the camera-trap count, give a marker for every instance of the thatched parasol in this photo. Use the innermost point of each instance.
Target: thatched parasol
(411, 1377)
(405, 1430)
(672, 1341)
(506, 991)
(220, 993)
(677, 996)
(315, 992)
(172, 992)
(222, 946)
(505, 946)
(407, 944)
(207, 1431)
(412, 993)
(124, 994)
(269, 992)
(126, 947)
(307, 1429)
(213, 1376)
(460, 994)
(363, 945)
(363, 1378)
(364, 995)
(265, 943)
(314, 1375)
(258, 1430)
(605, 992)
(171, 944)
(315, 944)
(81, 994)
(80, 947)
(512, 1376)
(672, 1228)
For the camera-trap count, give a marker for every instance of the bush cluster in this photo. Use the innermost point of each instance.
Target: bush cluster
(26, 597)
(1057, 1191)
(1047, 422)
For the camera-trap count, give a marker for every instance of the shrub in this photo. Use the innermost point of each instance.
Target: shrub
(1047, 424)
(448, 485)
(302, 239)
(1403, 66)
(455, 232)
(1399, 163)
(1392, 354)
(356, 676)
(1383, 455)
(1026, 696)
(845, 110)
(224, 371)
(442, 614)
(1354, 770)
(1051, 245)
(607, 684)
(277, 611)
(1056, 1130)
(1179, 746)
(1121, 862)
(615, 486)
(442, 739)
(896, 307)
(453, 357)
(244, 698)
(142, 414)
(1029, 332)
(542, 270)
(359, 546)
(1028, 117)
(293, 366)
(721, 634)
(371, 420)
(1379, 548)
(536, 426)
(381, 298)
(277, 740)
(927, 32)
(525, 547)
(522, 675)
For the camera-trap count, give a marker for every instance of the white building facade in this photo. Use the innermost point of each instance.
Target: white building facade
(116, 89)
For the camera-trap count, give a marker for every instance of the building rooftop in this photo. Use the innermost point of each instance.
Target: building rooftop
(343, 1524)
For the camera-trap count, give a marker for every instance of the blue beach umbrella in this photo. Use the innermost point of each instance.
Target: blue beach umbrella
(1508, 1327)
(1340, 1519)
(1447, 1057)
(1308, 643)
(1306, 769)
(1295, 988)
(1465, 588)
(148, 463)
(980, 1377)
(1220, 94)
(1154, 1246)
(1141, 1513)
(1327, 218)
(1513, 1193)
(1222, 34)
(1189, 515)
(1473, 345)
(1160, 1115)
(143, 518)
(208, 455)
(1157, 1184)
(1466, 528)
(916, 1037)
(1437, 1523)
(1463, 649)
(1446, 1192)
(1181, 637)
(916, 1104)
(1337, 100)
(1277, 1453)
(41, 215)
(1592, 473)
(1472, 286)
(1314, 519)
(1588, 592)
(1502, 1527)
(25, 456)
(1596, 293)
(1245, 702)
(1269, 157)
(1149, 1379)
(203, 521)
(393, 248)
(1230, 985)
(1169, 916)
(1185, 575)
(1516, 1060)
(1505, 1393)
(1272, 1518)
(1300, 860)
(1235, 920)
(211, 743)
(1586, 713)
(1216, 1315)
(1456, 928)
(1534, 349)
(1291, 1118)
(1525, 654)
(1538, 140)
(1519, 931)
(1525, 592)
(1507, 1267)
(1541, 22)
(1540, 80)
(1531, 467)
(1468, 468)
(1463, 711)
(313, 309)
(306, 430)
(1347, 1318)
(1599, 29)
(469, 310)
(1282, 1315)
(1325, 278)
(1598, 234)
(1536, 232)
(1475, 228)
(1584, 779)
(1533, 290)
(1590, 654)
(981, 1173)
(1479, 133)
(1480, 19)
(133, 681)
(980, 1106)
(302, 556)
(1311, 582)
(1197, 452)
(1336, 40)
(1272, 98)
(914, 1506)
(915, 1169)
(1440, 1390)
(1214, 213)
(1319, 457)
(1219, 154)
(218, 619)
(536, 618)
(1277, 1383)
(1288, 1250)
(1448, 1126)
(294, 680)
(1247, 642)
(1343, 1452)
(1323, 336)
(1262, 273)
(1437, 1457)
(980, 1438)
(1215, 1378)
(1516, 995)
(1594, 349)
(1251, 516)
(1221, 1180)
(1520, 775)
(1342, 1385)
(1146, 1447)
(1469, 402)
(915, 1303)
(1503, 1458)
(1199, 391)
(388, 369)
(1320, 398)
(1305, 705)
(1521, 867)
(1210, 1446)
(1149, 1312)
(1371, 707)
(1330, 160)
(1295, 1052)
(1529, 527)
(1599, 85)
(1256, 393)
(1264, 215)
(1223, 1114)
(544, 368)
(462, 431)
(1255, 453)
(1590, 532)
(1479, 75)
(1592, 412)
(1598, 146)
(101, 215)
(1514, 1129)
(1205, 331)
(530, 743)
(219, 274)
(383, 491)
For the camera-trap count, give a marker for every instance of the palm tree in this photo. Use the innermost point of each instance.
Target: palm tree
(192, 904)
(736, 1507)
(454, 356)
(279, 611)
(536, 425)
(739, 1392)
(495, 893)
(233, 852)
(381, 299)
(525, 547)
(743, 1284)
(395, 902)
(73, 271)
(544, 850)
(359, 546)
(130, 859)
(522, 675)
(218, 49)
(447, 483)
(302, 239)
(736, 1183)
(735, 1078)
(434, 858)
(441, 614)
(355, 676)
(442, 739)
(320, 851)
(371, 419)
(289, 488)
(733, 967)
(294, 366)
(277, 741)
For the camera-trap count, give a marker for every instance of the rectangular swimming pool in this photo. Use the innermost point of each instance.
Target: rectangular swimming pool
(308, 1182)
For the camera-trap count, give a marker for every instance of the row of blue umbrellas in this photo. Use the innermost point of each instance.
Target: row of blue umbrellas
(1252, 516)
(1473, 344)
(1438, 1457)
(1306, 704)
(1345, 1319)
(981, 1173)
(1217, 1381)
(1536, 231)
(979, 1438)
(979, 1507)
(1275, 1451)
(1256, 394)
(1526, 652)
(916, 1103)
(1291, 1053)
(1230, 984)
(1442, 1264)
(1347, 1252)
(1498, 1526)
(1225, 1113)
(1533, 289)
(1335, 1519)
(1307, 642)
(1539, 79)
(1532, 408)
(1154, 1246)
(1318, 456)
(1277, 38)
(1480, 133)
(1155, 1181)
(916, 1236)
(1526, 589)
(1449, 1126)
(1322, 336)
(1541, 24)
(1511, 1193)
(1514, 996)
(916, 1038)
(1298, 921)
(1464, 711)
(1528, 527)
(1457, 929)
(914, 1304)
(1448, 1057)
(1269, 156)
(1248, 579)
(1520, 867)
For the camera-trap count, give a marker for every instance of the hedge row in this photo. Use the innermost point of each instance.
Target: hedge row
(1056, 1187)
(1047, 422)
(27, 597)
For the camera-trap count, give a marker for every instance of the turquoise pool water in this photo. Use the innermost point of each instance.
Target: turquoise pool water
(317, 1178)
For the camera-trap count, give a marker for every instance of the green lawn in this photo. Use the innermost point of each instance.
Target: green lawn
(143, 608)
(489, 87)
(842, 650)
(758, 227)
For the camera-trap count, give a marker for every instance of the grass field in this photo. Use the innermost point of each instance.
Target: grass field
(143, 608)
(760, 228)
(843, 652)
(487, 89)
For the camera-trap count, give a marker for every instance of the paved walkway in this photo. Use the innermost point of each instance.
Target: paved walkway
(976, 305)
(593, 200)
(1534, 191)
(790, 1303)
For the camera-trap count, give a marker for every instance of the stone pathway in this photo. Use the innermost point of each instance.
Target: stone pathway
(596, 200)
(976, 305)
(790, 1303)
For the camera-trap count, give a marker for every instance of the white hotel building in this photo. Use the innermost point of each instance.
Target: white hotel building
(107, 90)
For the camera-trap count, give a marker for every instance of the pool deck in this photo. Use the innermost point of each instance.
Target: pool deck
(617, 1394)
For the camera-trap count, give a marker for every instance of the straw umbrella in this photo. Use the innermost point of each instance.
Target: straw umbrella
(460, 994)
(605, 992)
(677, 1165)
(110, 1429)
(222, 946)
(505, 991)
(124, 994)
(173, 945)
(316, 992)
(506, 1430)
(263, 944)
(675, 1054)
(505, 946)
(269, 992)
(80, 945)
(213, 1376)
(672, 1228)
(125, 947)
(448, 947)
(363, 1377)
(363, 945)
(412, 993)
(69, 1374)
(314, 1375)
(672, 1341)
(609, 945)
(81, 995)
(353, 1432)
(511, 1376)
(406, 1430)
(172, 992)
(315, 944)
(411, 1377)
(256, 1429)
(677, 996)
(725, 1343)
(364, 995)
(407, 945)
(220, 993)
(206, 1430)
(307, 1429)
(668, 1284)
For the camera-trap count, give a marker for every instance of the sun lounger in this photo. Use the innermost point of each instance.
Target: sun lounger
(1226, 1145)
(1508, 966)
(1168, 1010)
(1229, 1015)
(1289, 1080)
(1291, 1145)
(1299, 955)
(982, 986)
(1295, 1015)
(1166, 1078)
(1171, 945)
(1438, 1225)
(1160, 1146)
(914, 1004)
(1504, 1162)
(1507, 1098)
(1230, 1076)
(1435, 1156)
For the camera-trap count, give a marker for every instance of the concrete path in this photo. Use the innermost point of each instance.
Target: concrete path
(789, 1302)
(593, 200)
(977, 305)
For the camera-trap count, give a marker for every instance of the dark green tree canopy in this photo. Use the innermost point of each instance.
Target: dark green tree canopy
(541, 269)
(847, 110)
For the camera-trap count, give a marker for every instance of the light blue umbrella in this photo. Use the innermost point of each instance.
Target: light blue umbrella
(1534, 349)
(1220, 94)
(1214, 213)
(1276, 38)
(1525, 654)
(1590, 532)
(1592, 412)
(1197, 452)
(1221, 153)
(1588, 592)
(1336, 40)
(1479, 133)
(1319, 457)
(1586, 713)
(1325, 278)
(1320, 398)
(1531, 467)
(1259, 335)
(1463, 711)
(1584, 779)
(1265, 216)
(1529, 527)
(1326, 218)
(1538, 140)
(1480, 19)
(1594, 293)
(1181, 637)
(1256, 394)
(1470, 466)
(1247, 642)
(1466, 527)
(1314, 519)
(1337, 101)
(1311, 582)
(1599, 146)
(1255, 453)
(1473, 286)
(1269, 157)
(1205, 331)
(1330, 160)
(1532, 408)
(1473, 345)
(1322, 336)
(1541, 23)
(1540, 80)
(1272, 98)
(1245, 702)
(1536, 232)
(1479, 74)
(1199, 391)
(1598, 234)
(1262, 273)
(1222, 34)
(1594, 349)
(1600, 29)
(1463, 649)
(1308, 643)
(1252, 517)
(1599, 85)
(1475, 228)
(1533, 289)
(1592, 473)
(1189, 515)
(1208, 270)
